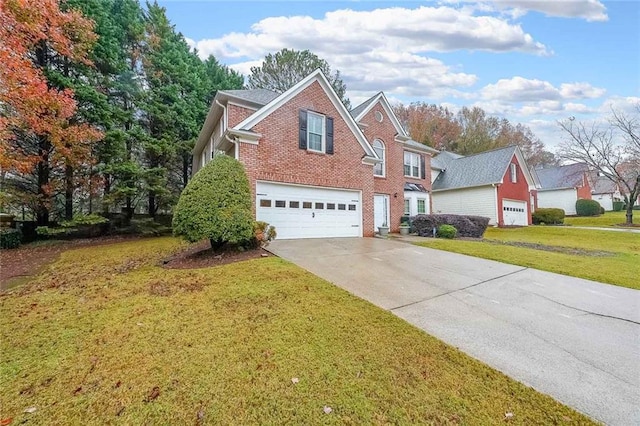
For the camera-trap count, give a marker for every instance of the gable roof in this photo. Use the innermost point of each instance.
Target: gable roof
(316, 76)
(361, 110)
(604, 185)
(256, 96)
(481, 169)
(562, 177)
(441, 160)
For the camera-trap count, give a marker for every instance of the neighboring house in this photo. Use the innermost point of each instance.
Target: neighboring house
(605, 192)
(496, 184)
(562, 186)
(316, 170)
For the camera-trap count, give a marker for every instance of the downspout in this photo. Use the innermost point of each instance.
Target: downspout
(236, 148)
(224, 118)
(498, 212)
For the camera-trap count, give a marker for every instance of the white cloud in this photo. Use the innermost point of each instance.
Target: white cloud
(520, 89)
(589, 10)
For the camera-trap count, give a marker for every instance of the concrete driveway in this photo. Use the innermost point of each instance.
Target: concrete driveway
(576, 340)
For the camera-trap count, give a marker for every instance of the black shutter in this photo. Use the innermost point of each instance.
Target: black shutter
(423, 172)
(329, 141)
(302, 123)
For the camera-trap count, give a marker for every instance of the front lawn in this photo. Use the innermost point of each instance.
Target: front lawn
(605, 256)
(108, 336)
(606, 219)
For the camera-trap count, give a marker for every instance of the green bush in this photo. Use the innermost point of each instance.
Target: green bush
(216, 204)
(263, 234)
(587, 208)
(82, 219)
(148, 227)
(548, 216)
(45, 231)
(10, 238)
(618, 205)
(446, 231)
(602, 210)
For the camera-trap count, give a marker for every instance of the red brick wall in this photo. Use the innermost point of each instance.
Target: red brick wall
(277, 156)
(235, 114)
(393, 182)
(584, 191)
(514, 191)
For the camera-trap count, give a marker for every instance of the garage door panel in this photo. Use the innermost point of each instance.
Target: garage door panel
(514, 213)
(309, 212)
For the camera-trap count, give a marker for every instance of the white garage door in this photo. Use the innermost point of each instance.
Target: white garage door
(309, 212)
(514, 213)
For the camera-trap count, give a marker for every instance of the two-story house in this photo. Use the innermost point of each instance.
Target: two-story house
(316, 169)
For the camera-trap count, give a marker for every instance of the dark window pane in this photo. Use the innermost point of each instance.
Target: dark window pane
(306, 204)
(265, 203)
(352, 207)
(342, 206)
(294, 204)
(331, 206)
(319, 206)
(281, 203)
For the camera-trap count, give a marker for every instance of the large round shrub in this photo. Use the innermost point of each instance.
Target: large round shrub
(587, 208)
(446, 231)
(216, 204)
(548, 216)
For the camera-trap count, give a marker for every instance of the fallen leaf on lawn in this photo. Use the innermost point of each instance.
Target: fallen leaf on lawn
(31, 410)
(78, 390)
(295, 380)
(117, 385)
(508, 415)
(155, 392)
(120, 410)
(5, 422)
(327, 409)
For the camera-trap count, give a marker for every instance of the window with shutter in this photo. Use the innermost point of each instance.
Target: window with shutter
(412, 165)
(315, 132)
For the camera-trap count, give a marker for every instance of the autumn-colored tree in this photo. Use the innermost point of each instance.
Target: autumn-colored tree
(430, 124)
(39, 129)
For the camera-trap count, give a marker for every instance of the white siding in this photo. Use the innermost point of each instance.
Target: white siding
(413, 196)
(605, 200)
(560, 199)
(480, 201)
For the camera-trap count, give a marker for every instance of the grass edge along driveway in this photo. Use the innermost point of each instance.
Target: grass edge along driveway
(105, 335)
(603, 256)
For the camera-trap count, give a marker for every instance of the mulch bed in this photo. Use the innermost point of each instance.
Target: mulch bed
(29, 259)
(201, 255)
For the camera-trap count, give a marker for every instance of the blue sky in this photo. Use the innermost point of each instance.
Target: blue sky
(531, 61)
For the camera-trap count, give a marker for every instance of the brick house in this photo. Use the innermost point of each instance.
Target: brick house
(496, 184)
(315, 169)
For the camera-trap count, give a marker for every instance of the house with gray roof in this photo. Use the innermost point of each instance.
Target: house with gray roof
(605, 191)
(496, 184)
(562, 186)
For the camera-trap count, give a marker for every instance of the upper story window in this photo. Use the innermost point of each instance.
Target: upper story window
(412, 165)
(514, 172)
(379, 169)
(316, 132)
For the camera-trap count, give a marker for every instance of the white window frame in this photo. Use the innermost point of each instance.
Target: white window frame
(412, 156)
(383, 165)
(424, 200)
(323, 135)
(513, 168)
(407, 203)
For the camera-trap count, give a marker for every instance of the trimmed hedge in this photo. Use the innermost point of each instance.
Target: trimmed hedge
(618, 205)
(548, 216)
(587, 208)
(446, 231)
(467, 226)
(216, 205)
(10, 238)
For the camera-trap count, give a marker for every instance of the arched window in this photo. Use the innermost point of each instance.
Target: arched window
(378, 147)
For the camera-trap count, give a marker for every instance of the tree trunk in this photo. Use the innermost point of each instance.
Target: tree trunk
(152, 204)
(43, 170)
(107, 190)
(68, 192)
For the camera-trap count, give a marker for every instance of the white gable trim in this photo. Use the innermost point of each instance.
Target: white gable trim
(317, 75)
(387, 108)
(525, 169)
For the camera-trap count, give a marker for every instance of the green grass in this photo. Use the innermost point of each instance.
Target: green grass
(605, 256)
(606, 219)
(88, 341)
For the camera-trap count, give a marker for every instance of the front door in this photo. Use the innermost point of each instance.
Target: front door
(380, 210)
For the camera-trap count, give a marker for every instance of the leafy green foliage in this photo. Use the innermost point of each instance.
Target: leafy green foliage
(282, 70)
(548, 216)
(148, 227)
(81, 219)
(263, 234)
(446, 231)
(10, 238)
(46, 231)
(216, 204)
(587, 208)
